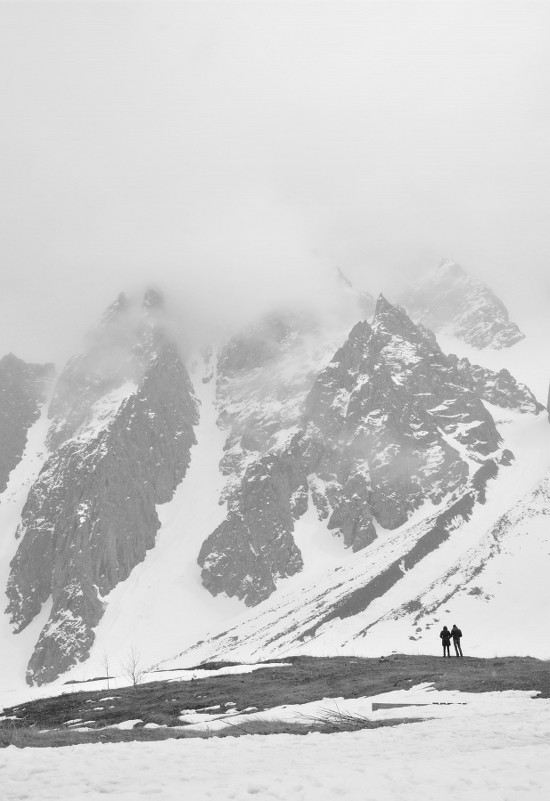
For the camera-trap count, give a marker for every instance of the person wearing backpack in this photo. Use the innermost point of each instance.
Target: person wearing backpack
(445, 635)
(456, 635)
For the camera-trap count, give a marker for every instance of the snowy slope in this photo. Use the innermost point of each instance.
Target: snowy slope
(16, 649)
(474, 578)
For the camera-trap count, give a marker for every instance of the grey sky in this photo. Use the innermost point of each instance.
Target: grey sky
(233, 152)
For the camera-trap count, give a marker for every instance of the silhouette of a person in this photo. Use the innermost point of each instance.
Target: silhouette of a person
(456, 634)
(445, 635)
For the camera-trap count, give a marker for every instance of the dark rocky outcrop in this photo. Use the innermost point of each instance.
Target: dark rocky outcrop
(500, 389)
(121, 436)
(23, 390)
(254, 544)
(384, 410)
(450, 301)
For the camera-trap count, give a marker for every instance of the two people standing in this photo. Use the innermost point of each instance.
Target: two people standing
(446, 636)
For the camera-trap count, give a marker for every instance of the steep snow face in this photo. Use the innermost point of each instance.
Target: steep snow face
(389, 423)
(23, 390)
(120, 439)
(17, 649)
(450, 302)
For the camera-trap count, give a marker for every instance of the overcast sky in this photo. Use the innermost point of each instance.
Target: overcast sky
(232, 153)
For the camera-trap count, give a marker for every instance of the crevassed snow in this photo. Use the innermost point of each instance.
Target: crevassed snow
(490, 746)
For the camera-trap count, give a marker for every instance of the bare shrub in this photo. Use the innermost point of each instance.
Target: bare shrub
(132, 668)
(105, 667)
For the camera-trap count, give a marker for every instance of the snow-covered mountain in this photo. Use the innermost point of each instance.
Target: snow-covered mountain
(342, 476)
(449, 301)
(121, 429)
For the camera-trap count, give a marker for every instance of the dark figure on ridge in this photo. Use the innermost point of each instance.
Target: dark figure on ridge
(446, 640)
(456, 635)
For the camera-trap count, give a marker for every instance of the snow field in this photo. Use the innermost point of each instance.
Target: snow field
(483, 747)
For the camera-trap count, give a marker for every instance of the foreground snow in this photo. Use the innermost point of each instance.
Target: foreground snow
(483, 746)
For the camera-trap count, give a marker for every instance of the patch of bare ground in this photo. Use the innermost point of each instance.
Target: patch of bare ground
(51, 721)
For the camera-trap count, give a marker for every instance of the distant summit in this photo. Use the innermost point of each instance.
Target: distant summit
(449, 301)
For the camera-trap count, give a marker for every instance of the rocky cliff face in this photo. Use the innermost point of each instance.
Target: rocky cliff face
(23, 390)
(263, 377)
(121, 434)
(451, 302)
(389, 423)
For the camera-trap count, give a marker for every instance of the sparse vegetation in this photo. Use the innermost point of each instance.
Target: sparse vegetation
(51, 721)
(132, 668)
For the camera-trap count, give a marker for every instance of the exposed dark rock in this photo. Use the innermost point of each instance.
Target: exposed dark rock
(90, 516)
(450, 301)
(254, 545)
(383, 409)
(23, 390)
(500, 389)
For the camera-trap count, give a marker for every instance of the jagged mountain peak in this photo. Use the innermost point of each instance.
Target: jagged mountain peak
(447, 268)
(116, 354)
(153, 299)
(391, 322)
(450, 301)
(121, 304)
(389, 315)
